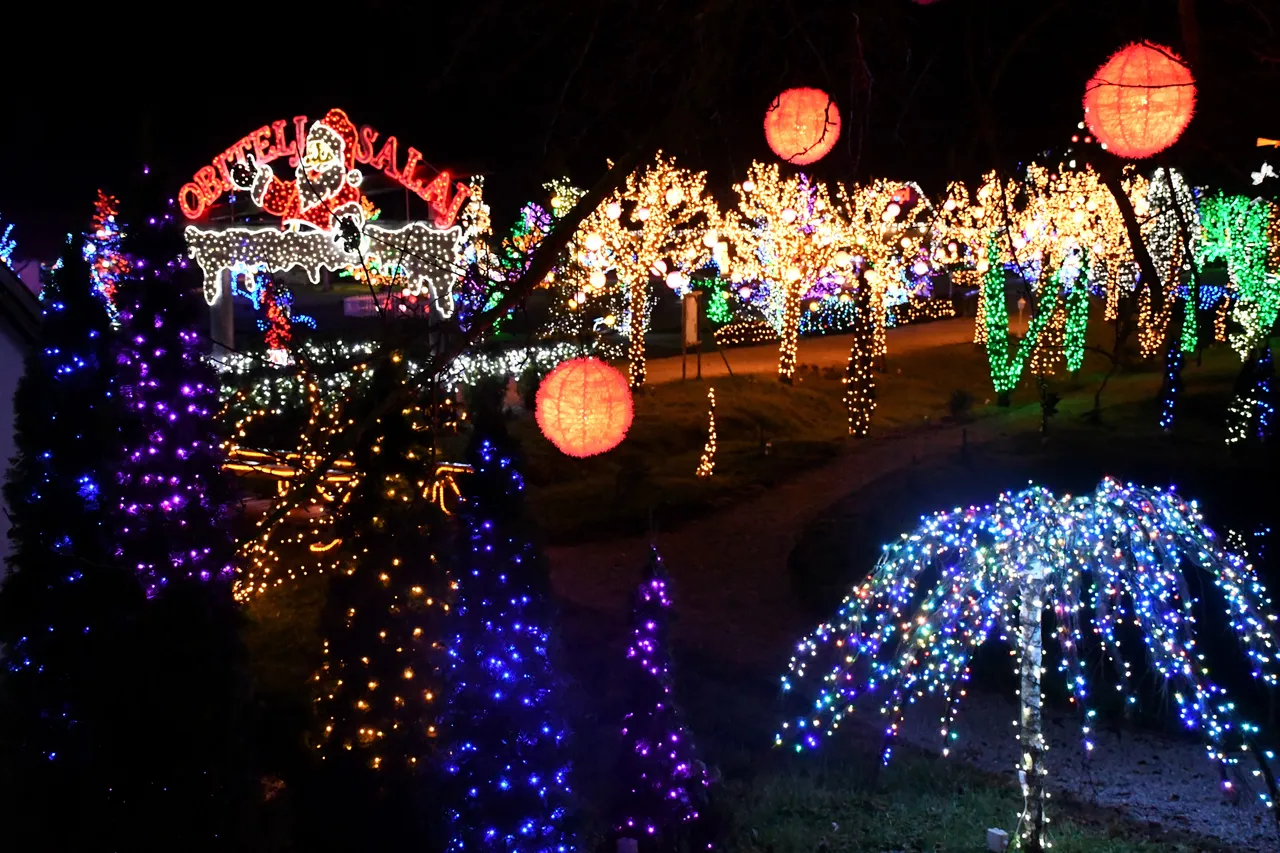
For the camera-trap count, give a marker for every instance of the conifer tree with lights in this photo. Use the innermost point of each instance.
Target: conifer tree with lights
(664, 783)
(378, 694)
(172, 530)
(507, 767)
(66, 603)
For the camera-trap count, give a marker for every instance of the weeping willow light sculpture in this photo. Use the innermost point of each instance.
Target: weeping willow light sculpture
(1110, 566)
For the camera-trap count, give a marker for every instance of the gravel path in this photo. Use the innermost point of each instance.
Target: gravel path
(736, 607)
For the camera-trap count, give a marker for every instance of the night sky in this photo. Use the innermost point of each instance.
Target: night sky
(525, 92)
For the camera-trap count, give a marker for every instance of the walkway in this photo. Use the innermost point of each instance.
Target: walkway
(823, 351)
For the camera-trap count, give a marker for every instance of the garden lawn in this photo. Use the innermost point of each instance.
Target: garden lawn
(766, 432)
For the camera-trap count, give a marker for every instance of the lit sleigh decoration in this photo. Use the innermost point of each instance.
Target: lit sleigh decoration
(324, 220)
(1112, 568)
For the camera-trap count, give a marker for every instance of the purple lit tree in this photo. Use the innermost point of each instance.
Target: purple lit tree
(171, 529)
(175, 502)
(507, 767)
(665, 785)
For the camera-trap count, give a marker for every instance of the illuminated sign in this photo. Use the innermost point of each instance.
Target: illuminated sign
(419, 259)
(367, 147)
(325, 218)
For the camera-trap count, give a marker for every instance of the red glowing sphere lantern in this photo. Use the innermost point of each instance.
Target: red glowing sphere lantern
(802, 125)
(584, 407)
(1140, 101)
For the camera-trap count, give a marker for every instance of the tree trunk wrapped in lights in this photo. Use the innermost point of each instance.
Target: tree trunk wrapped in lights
(507, 767)
(1121, 557)
(1031, 769)
(859, 382)
(1171, 388)
(1251, 414)
(707, 464)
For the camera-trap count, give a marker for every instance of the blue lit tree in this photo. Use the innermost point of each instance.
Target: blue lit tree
(1121, 556)
(665, 784)
(507, 767)
(66, 602)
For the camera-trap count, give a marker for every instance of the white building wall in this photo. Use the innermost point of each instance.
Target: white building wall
(11, 364)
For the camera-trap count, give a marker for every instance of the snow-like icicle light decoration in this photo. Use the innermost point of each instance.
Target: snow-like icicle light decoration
(1124, 553)
(419, 258)
(279, 387)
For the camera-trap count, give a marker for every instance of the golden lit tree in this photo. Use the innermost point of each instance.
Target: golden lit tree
(1054, 226)
(787, 239)
(656, 225)
(960, 233)
(888, 224)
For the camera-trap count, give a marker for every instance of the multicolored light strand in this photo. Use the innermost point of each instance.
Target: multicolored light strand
(1119, 557)
(107, 262)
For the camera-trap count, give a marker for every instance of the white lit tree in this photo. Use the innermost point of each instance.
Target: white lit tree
(1112, 567)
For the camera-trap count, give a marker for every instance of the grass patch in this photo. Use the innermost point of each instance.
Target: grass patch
(917, 803)
(766, 431)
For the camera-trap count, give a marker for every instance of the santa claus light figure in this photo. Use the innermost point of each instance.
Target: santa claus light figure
(326, 189)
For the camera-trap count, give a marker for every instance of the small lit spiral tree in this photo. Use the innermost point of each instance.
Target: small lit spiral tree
(664, 783)
(1101, 562)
